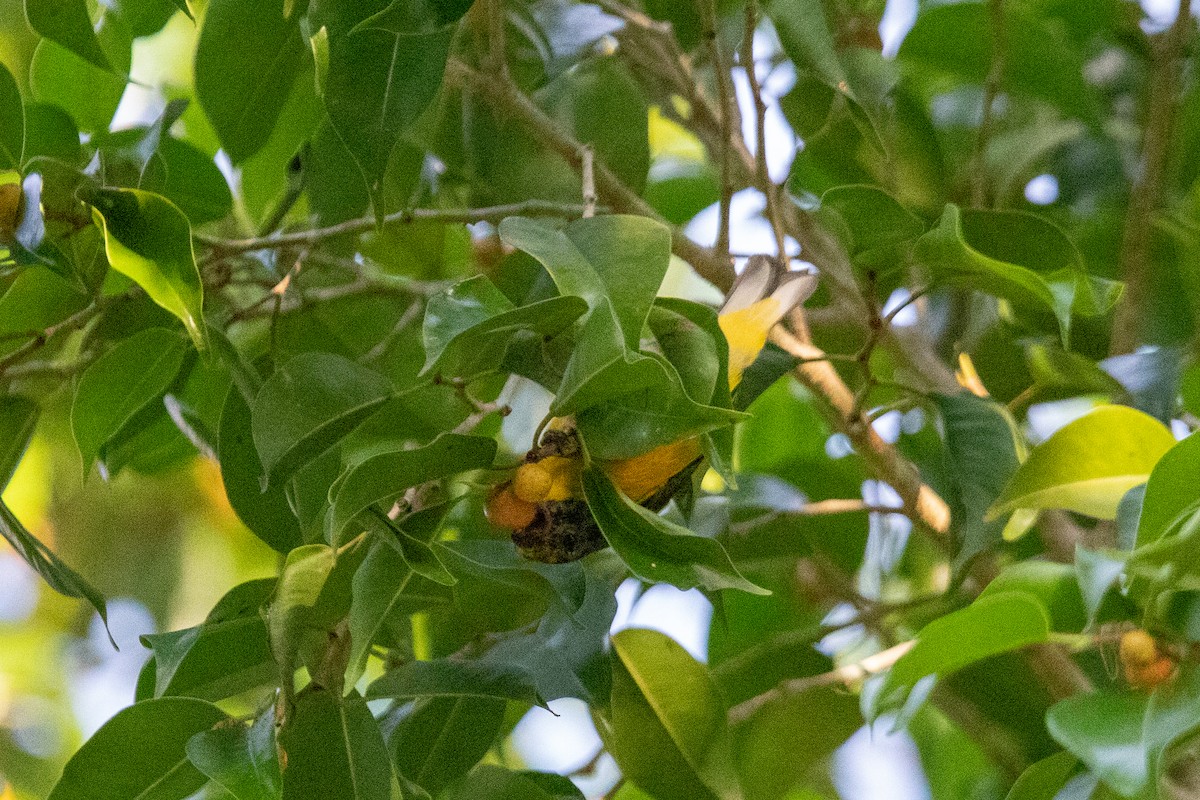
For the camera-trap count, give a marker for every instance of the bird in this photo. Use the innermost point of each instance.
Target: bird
(543, 503)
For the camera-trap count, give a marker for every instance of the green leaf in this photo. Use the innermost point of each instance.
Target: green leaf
(1170, 491)
(58, 576)
(242, 759)
(387, 474)
(148, 239)
(469, 326)
(333, 748)
(225, 655)
(656, 549)
(247, 59)
(18, 418)
(1089, 464)
(267, 514)
(438, 740)
(1096, 572)
(1104, 730)
(490, 782)
(290, 615)
(867, 220)
(1017, 256)
(90, 94)
(621, 258)
(667, 729)
(67, 23)
(120, 383)
(381, 77)
(12, 121)
(807, 39)
(140, 753)
(983, 450)
(991, 625)
(307, 406)
(1053, 585)
(445, 678)
(417, 554)
(1043, 779)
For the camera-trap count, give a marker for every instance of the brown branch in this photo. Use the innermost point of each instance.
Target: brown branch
(507, 99)
(920, 502)
(730, 116)
(1146, 196)
(770, 190)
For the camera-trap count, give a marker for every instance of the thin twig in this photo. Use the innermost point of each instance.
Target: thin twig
(991, 88)
(846, 675)
(528, 208)
(770, 190)
(1146, 196)
(729, 117)
(588, 181)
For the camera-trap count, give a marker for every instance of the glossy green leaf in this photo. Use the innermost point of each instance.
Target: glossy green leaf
(387, 474)
(193, 182)
(58, 575)
(438, 740)
(991, 625)
(807, 39)
(50, 132)
(248, 57)
(1089, 464)
(1053, 585)
(448, 679)
(667, 729)
(267, 514)
(333, 748)
(469, 326)
(148, 239)
(983, 450)
(147, 17)
(140, 753)
(1170, 491)
(120, 383)
(1017, 256)
(381, 77)
(1104, 730)
(657, 549)
(867, 220)
(300, 584)
(242, 759)
(1097, 572)
(307, 406)
(490, 782)
(621, 258)
(1043, 779)
(67, 23)
(18, 418)
(417, 554)
(89, 93)
(225, 655)
(12, 121)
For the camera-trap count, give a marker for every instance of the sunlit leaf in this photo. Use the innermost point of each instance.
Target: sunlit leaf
(1089, 464)
(67, 23)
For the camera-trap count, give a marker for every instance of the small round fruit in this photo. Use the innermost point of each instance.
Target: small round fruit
(1150, 676)
(532, 483)
(10, 210)
(505, 510)
(1138, 648)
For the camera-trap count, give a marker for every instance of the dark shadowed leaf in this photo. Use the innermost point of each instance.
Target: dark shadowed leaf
(67, 23)
(242, 759)
(12, 121)
(437, 740)
(333, 748)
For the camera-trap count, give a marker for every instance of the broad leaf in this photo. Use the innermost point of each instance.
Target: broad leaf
(67, 23)
(150, 240)
(667, 730)
(119, 384)
(655, 548)
(490, 782)
(300, 584)
(438, 740)
(1170, 491)
(12, 121)
(242, 759)
(18, 418)
(140, 753)
(381, 77)
(1054, 586)
(991, 625)
(89, 93)
(1044, 779)
(1089, 464)
(333, 748)
(868, 221)
(248, 57)
(388, 474)
(307, 406)
(227, 654)
(44, 562)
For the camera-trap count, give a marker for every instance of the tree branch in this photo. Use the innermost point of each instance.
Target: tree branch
(1134, 256)
(991, 88)
(730, 116)
(770, 190)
